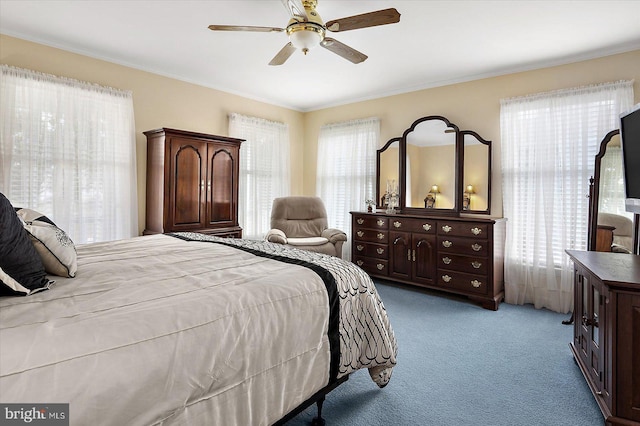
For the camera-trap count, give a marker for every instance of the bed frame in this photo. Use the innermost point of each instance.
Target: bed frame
(318, 399)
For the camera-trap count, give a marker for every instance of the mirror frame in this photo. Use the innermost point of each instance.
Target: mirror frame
(489, 155)
(594, 192)
(403, 170)
(458, 171)
(379, 153)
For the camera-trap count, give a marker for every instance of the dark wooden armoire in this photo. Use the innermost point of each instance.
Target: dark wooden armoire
(192, 183)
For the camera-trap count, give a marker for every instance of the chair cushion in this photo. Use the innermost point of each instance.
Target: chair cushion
(309, 241)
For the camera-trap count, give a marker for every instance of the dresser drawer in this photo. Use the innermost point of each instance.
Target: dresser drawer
(463, 229)
(375, 222)
(470, 264)
(371, 235)
(427, 226)
(463, 246)
(468, 283)
(378, 251)
(371, 265)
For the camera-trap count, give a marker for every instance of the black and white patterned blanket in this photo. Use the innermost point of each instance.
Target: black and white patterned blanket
(365, 336)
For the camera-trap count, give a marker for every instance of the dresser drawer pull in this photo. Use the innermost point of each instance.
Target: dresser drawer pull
(409, 255)
(446, 260)
(446, 228)
(380, 236)
(360, 233)
(380, 250)
(446, 278)
(476, 231)
(380, 266)
(359, 247)
(397, 224)
(426, 226)
(476, 264)
(476, 283)
(476, 247)
(360, 262)
(380, 222)
(447, 243)
(360, 221)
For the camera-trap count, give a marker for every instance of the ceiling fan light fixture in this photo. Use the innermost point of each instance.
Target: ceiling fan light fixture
(305, 35)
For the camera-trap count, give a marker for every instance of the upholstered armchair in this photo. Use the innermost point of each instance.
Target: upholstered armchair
(301, 222)
(622, 241)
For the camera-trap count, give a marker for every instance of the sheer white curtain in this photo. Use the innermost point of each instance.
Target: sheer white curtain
(346, 170)
(549, 142)
(67, 150)
(264, 170)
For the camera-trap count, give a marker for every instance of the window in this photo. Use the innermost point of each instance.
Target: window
(347, 170)
(549, 143)
(264, 170)
(67, 150)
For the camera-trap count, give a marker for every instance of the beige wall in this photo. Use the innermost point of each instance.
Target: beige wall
(158, 101)
(473, 105)
(164, 102)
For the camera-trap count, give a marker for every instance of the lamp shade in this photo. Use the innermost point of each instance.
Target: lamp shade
(305, 35)
(305, 40)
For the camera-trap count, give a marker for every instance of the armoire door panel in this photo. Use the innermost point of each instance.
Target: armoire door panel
(221, 193)
(187, 179)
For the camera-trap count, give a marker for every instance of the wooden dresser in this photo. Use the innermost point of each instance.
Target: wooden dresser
(606, 338)
(192, 183)
(459, 255)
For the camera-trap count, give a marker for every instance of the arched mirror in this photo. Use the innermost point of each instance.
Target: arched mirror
(428, 168)
(610, 226)
(436, 169)
(388, 166)
(476, 173)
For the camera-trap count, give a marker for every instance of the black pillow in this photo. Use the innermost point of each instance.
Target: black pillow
(21, 269)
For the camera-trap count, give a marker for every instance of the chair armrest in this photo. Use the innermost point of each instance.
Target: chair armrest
(334, 235)
(276, 236)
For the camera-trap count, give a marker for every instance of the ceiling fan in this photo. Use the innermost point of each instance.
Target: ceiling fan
(306, 30)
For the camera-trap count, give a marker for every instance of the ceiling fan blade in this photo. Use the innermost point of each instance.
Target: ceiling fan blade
(295, 9)
(245, 28)
(343, 50)
(371, 19)
(283, 54)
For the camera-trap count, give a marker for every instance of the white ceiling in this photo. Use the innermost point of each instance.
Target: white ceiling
(434, 44)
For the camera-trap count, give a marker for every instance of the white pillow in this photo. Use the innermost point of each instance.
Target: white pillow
(57, 251)
(309, 241)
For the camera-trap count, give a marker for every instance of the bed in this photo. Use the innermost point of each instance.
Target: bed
(187, 328)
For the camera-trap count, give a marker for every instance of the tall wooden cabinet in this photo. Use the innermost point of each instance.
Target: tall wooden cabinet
(454, 254)
(192, 183)
(606, 338)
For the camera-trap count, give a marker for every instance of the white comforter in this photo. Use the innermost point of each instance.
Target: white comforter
(157, 330)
